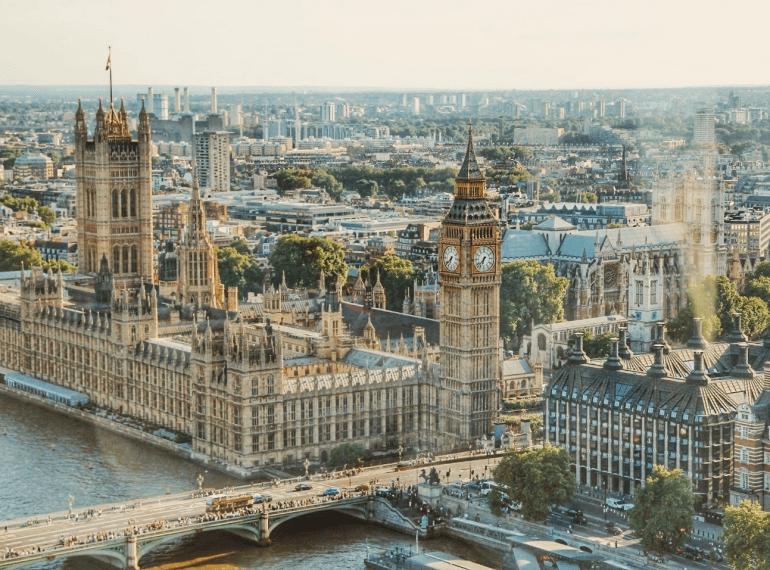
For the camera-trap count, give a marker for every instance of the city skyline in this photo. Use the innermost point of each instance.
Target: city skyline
(408, 46)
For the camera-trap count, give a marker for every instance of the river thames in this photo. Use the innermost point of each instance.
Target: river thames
(45, 458)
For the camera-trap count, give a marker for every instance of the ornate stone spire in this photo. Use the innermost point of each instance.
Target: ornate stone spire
(470, 167)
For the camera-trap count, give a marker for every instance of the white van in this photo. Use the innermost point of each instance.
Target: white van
(488, 486)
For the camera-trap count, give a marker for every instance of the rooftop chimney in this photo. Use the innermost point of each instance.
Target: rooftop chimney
(213, 100)
(186, 100)
(623, 351)
(177, 101)
(613, 362)
(578, 356)
(697, 341)
(698, 374)
(657, 370)
(736, 335)
(743, 369)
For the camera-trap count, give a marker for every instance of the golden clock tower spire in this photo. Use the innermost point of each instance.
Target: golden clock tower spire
(469, 273)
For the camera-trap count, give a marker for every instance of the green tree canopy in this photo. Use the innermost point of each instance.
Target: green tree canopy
(537, 478)
(13, 255)
(597, 346)
(754, 315)
(530, 291)
(346, 454)
(322, 179)
(239, 270)
(715, 299)
(241, 246)
(292, 179)
(302, 259)
(47, 215)
(664, 509)
(396, 276)
(759, 286)
(746, 536)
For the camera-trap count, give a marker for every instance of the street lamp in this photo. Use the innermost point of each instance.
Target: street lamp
(470, 460)
(70, 502)
(200, 481)
(400, 452)
(307, 466)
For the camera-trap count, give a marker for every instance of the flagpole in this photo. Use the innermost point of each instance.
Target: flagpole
(109, 59)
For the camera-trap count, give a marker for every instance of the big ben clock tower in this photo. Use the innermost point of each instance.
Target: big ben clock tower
(469, 274)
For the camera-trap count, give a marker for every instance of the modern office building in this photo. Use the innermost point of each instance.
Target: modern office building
(703, 133)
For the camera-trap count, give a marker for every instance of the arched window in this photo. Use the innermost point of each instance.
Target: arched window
(116, 260)
(124, 204)
(541, 341)
(125, 259)
(678, 210)
(134, 260)
(132, 201)
(663, 208)
(115, 207)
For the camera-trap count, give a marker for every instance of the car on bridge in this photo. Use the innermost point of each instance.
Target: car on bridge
(331, 492)
(262, 499)
(302, 487)
(362, 488)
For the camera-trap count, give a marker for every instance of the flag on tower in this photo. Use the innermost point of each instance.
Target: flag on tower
(108, 62)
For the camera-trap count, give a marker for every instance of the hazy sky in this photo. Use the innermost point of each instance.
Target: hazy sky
(403, 44)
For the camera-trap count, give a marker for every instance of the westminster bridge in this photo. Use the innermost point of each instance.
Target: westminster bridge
(121, 533)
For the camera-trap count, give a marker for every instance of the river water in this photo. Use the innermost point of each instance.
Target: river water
(46, 458)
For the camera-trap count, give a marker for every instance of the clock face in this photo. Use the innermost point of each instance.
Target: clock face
(451, 258)
(483, 259)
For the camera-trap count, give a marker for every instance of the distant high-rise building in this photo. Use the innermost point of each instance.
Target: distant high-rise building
(416, 106)
(160, 106)
(214, 108)
(622, 109)
(703, 132)
(328, 112)
(212, 153)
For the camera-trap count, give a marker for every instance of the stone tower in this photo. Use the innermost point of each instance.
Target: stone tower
(469, 273)
(114, 196)
(198, 272)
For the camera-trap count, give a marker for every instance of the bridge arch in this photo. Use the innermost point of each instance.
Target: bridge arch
(238, 528)
(358, 511)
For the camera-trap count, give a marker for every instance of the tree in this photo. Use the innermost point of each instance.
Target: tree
(323, 179)
(46, 214)
(292, 179)
(239, 270)
(714, 296)
(759, 286)
(745, 536)
(396, 276)
(13, 255)
(715, 299)
(59, 265)
(537, 478)
(346, 454)
(754, 315)
(302, 259)
(664, 508)
(241, 246)
(530, 291)
(597, 346)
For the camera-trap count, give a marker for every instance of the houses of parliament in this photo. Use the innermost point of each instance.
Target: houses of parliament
(274, 382)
